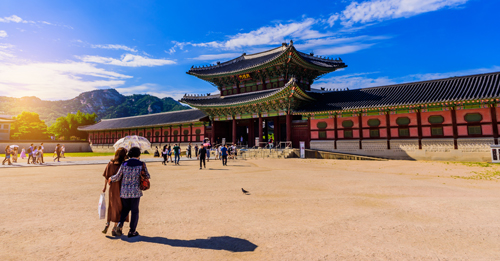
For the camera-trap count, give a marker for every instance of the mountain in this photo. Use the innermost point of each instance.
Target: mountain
(105, 103)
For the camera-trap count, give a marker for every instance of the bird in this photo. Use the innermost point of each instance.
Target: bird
(244, 191)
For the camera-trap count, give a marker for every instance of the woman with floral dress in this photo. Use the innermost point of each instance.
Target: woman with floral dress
(130, 192)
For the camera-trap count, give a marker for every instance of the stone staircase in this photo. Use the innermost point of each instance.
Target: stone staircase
(262, 153)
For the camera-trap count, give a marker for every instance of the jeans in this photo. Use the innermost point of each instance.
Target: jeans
(189, 154)
(224, 159)
(177, 157)
(202, 159)
(130, 204)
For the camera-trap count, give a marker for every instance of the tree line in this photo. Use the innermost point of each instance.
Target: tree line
(29, 126)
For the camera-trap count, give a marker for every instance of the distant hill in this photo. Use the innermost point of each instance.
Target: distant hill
(105, 103)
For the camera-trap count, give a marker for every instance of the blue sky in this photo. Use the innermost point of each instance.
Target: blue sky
(57, 49)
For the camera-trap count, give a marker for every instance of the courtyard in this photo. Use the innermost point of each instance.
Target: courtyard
(296, 209)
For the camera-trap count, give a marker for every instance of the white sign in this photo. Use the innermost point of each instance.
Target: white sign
(495, 153)
(223, 141)
(257, 142)
(302, 149)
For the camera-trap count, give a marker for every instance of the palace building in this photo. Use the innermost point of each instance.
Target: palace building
(268, 95)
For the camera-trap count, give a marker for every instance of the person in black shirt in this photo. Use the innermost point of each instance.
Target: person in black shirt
(202, 153)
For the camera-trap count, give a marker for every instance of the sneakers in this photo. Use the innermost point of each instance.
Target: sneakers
(118, 231)
(133, 234)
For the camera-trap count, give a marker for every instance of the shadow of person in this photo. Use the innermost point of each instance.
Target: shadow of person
(227, 243)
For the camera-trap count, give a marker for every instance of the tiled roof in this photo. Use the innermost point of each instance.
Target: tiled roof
(145, 121)
(245, 62)
(472, 87)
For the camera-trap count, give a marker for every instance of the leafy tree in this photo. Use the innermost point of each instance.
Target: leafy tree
(68, 126)
(28, 126)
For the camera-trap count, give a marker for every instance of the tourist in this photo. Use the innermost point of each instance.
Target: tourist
(7, 156)
(241, 140)
(130, 192)
(63, 149)
(157, 154)
(217, 152)
(114, 200)
(223, 151)
(58, 152)
(177, 154)
(196, 150)
(30, 153)
(41, 153)
(235, 150)
(201, 155)
(169, 154)
(14, 154)
(188, 151)
(35, 155)
(207, 152)
(230, 151)
(165, 154)
(23, 153)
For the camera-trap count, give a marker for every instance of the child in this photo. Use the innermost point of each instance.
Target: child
(39, 155)
(34, 155)
(23, 154)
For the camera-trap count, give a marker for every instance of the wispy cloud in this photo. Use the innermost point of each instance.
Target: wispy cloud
(343, 49)
(13, 19)
(54, 81)
(269, 35)
(152, 89)
(379, 10)
(3, 34)
(211, 57)
(128, 60)
(114, 47)
(6, 51)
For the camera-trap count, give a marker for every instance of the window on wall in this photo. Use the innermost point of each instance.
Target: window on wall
(347, 124)
(374, 133)
(404, 132)
(157, 134)
(347, 133)
(474, 130)
(140, 133)
(437, 131)
(186, 132)
(322, 125)
(119, 136)
(436, 119)
(198, 132)
(473, 117)
(165, 133)
(175, 135)
(373, 122)
(403, 121)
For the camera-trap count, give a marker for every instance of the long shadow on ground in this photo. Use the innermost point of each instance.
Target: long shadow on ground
(227, 243)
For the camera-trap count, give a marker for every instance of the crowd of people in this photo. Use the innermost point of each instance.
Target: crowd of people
(33, 153)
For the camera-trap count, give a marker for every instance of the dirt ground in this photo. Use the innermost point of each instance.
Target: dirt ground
(296, 210)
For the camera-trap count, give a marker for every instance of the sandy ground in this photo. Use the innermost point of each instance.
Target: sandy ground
(297, 210)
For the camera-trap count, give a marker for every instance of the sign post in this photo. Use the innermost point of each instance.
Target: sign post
(495, 153)
(302, 149)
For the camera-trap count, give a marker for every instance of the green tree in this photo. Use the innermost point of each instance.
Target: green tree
(28, 126)
(68, 126)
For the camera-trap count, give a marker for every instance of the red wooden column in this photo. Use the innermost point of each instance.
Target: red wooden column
(419, 125)
(455, 128)
(335, 127)
(190, 133)
(276, 129)
(288, 126)
(260, 129)
(494, 122)
(388, 127)
(360, 121)
(212, 137)
(170, 134)
(234, 131)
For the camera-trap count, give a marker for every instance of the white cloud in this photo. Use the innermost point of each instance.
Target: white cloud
(128, 60)
(211, 57)
(343, 49)
(352, 81)
(433, 76)
(3, 34)
(14, 19)
(114, 47)
(151, 89)
(269, 35)
(6, 51)
(55, 81)
(379, 10)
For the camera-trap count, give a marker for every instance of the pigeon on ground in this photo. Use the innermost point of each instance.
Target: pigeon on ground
(244, 191)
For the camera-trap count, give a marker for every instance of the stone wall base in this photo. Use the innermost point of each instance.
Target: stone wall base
(108, 148)
(50, 146)
(469, 149)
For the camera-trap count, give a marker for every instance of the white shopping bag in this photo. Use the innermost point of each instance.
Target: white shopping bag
(102, 206)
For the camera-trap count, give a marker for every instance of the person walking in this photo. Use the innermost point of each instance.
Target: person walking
(201, 155)
(177, 154)
(30, 153)
(169, 154)
(157, 153)
(223, 152)
(23, 153)
(35, 155)
(58, 153)
(41, 152)
(39, 155)
(63, 150)
(196, 150)
(130, 192)
(114, 200)
(164, 153)
(188, 151)
(7, 156)
(14, 154)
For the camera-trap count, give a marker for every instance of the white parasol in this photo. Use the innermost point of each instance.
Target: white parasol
(128, 142)
(14, 146)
